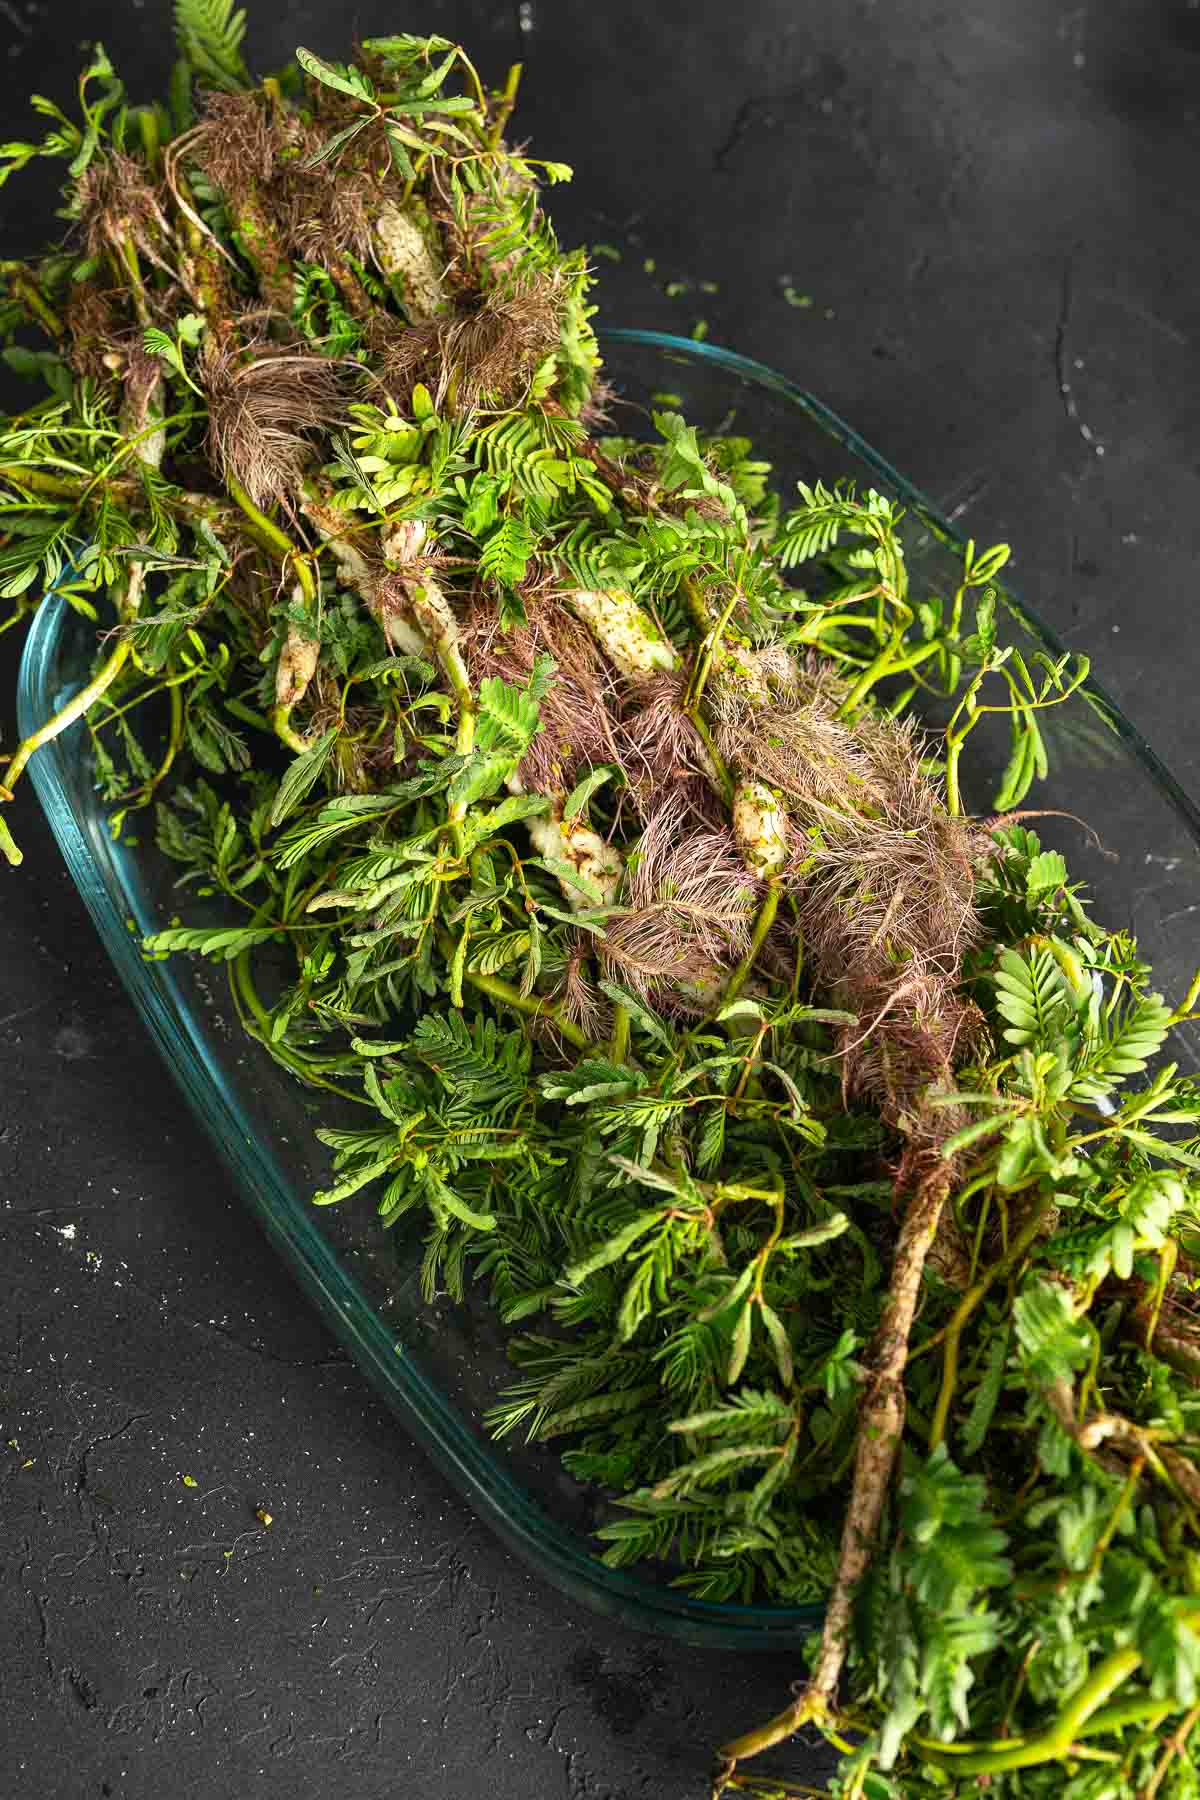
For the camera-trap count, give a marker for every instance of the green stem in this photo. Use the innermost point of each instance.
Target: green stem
(720, 768)
(25, 289)
(267, 534)
(1133, 1712)
(242, 983)
(762, 925)
(1081, 1717)
(174, 739)
(619, 1046)
(696, 606)
(464, 738)
(968, 1304)
(953, 797)
(708, 651)
(41, 484)
(148, 127)
(127, 258)
(249, 993)
(1166, 1268)
(507, 995)
(820, 623)
(1189, 1002)
(531, 1005)
(67, 715)
(883, 664)
(507, 101)
(285, 731)
(952, 1756)
(480, 101)
(703, 618)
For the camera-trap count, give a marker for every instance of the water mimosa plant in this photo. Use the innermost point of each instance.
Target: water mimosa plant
(797, 1122)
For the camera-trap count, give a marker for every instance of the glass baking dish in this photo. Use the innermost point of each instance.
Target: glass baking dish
(440, 1366)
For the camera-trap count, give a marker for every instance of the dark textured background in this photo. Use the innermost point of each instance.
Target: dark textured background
(992, 206)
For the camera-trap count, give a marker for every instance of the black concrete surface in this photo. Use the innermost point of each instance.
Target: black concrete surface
(992, 207)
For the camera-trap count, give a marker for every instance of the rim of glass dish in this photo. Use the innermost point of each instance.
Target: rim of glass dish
(499, 1499)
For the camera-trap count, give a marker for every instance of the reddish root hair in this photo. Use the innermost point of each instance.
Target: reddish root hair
(260, 407)
(578, 722)
(691, 908)
(660, 749)
(490, 345)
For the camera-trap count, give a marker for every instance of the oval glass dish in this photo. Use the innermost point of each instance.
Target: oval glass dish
(439, 1367)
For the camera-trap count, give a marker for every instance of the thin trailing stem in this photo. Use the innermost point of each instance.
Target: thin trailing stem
(1176, 1747)
(1084, 1709)
(971, 1300)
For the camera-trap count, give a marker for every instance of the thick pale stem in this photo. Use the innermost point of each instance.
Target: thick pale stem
(407, 260)
(627, 637)
(572, 841)
(880, 1425)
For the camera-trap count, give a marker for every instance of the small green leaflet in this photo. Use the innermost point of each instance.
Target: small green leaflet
(225, 943)
(301, 775)
(337, 143)
(987, 1394)
(351, 1183)
(613, 1250)
(442, 1197)
(739, 1348)
(1047, 871)
(347, 80)
(583, 790)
